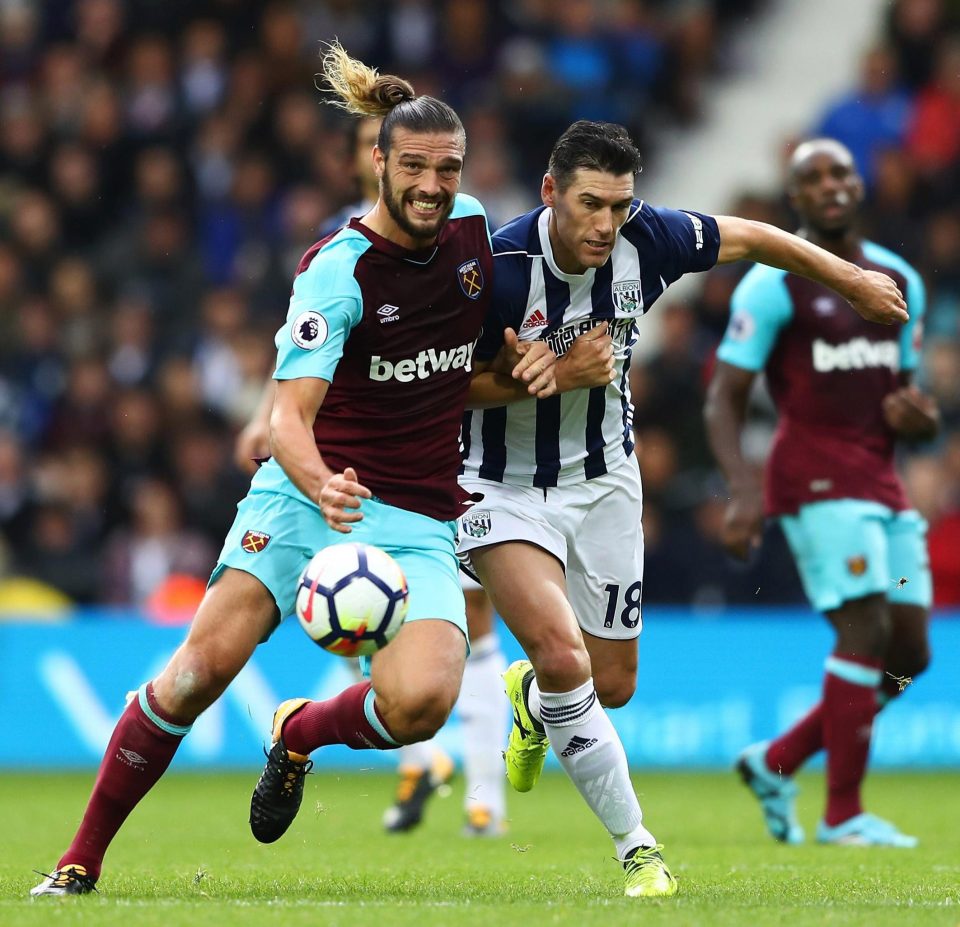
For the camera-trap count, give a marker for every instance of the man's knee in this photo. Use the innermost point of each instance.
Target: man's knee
(192, 681)
(415, 716)
(614, 691)
(560, 666)
(910, 661)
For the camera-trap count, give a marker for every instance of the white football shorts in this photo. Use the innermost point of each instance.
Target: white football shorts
(593, 528)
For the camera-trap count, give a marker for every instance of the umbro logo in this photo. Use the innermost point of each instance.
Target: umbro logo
(536, 320)
(132, 757)
(577, 745)
(388, 313)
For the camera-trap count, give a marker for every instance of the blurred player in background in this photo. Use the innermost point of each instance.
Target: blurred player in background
(340, 416)
(556, 536)
(425, 767)
(844, 393)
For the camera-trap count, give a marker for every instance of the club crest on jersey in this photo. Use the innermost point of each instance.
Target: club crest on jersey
(626, 296)
(476, 524)
(254, 541)
(857, 565)
(309, 330)
(471, 278)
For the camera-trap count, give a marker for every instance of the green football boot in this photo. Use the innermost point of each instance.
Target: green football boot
(527, 745)
(646, 874)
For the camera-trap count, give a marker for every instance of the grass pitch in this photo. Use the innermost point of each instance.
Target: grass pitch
(186, 857)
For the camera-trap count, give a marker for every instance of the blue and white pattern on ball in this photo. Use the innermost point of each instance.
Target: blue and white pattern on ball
(352, 599)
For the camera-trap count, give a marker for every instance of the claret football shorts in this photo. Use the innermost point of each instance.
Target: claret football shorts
(846, 549)
(593, 528)
(275, 535)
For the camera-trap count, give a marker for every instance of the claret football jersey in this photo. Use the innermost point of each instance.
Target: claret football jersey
(583, 433)
(828, 371)
(393, 332)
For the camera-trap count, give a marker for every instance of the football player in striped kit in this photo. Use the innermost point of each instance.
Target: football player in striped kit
(555, 534)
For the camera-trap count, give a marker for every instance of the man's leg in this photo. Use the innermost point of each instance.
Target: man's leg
(483, 714)
(413, 686)
(235, 614)
(527, 587)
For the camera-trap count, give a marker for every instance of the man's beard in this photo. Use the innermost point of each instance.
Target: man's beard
(395, 208)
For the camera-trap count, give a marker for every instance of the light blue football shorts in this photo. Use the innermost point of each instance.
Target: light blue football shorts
(274, 536)
(849, 548)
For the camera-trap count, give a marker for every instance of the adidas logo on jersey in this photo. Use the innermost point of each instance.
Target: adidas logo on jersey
(424, 365)
(577, 745)
(856, 354)
(535, 320)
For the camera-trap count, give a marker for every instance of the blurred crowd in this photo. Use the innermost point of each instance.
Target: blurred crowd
(165, 163)
(902, 122)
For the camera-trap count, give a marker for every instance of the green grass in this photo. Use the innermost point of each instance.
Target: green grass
(186, 857)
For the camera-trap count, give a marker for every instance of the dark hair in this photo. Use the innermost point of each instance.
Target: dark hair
(593, 146)
(363, 91)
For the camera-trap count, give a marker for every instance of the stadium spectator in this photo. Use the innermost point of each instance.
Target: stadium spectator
(871, 117)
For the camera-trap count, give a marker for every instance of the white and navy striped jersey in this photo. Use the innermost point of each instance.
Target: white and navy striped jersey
(583, 433)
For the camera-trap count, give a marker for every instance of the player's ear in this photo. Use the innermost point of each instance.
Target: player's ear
(548, 190)
(379, 162)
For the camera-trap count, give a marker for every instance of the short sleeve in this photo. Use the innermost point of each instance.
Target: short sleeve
(688, 242)
(759, 308)
(310, 343)
(507, 303)
(911, 334)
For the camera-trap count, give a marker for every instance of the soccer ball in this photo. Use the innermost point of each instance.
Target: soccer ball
(352, 599)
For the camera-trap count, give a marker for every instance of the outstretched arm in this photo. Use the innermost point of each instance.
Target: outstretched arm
(872, 294)
(724, 413)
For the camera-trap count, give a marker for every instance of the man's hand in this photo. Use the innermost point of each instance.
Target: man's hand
(743, 521)
(589, 362)
(876, 298)
(911, 414)
(339, 499)
(534, 364)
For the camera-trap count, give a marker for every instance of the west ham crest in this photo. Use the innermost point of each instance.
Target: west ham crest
(471, 278)
(626, 296)
(476, 524)
(254, 541)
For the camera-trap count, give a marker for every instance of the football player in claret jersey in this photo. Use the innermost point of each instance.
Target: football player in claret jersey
(556, 537)
(373, 369)
(425, 767)
(844, 394)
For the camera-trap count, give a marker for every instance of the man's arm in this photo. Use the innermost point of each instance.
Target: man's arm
(872, 294)
(521, 370)
(294, 448)
(254, 440)
(724, 413)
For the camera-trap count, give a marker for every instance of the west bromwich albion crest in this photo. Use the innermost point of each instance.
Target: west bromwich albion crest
(626, 296)
(470, 275)
(476, 524)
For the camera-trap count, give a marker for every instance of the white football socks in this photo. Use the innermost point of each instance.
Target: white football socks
(484, 712)
(416, 756)
(590, 751)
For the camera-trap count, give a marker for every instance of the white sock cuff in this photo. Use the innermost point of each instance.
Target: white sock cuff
(855, 673)
(562, 709)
